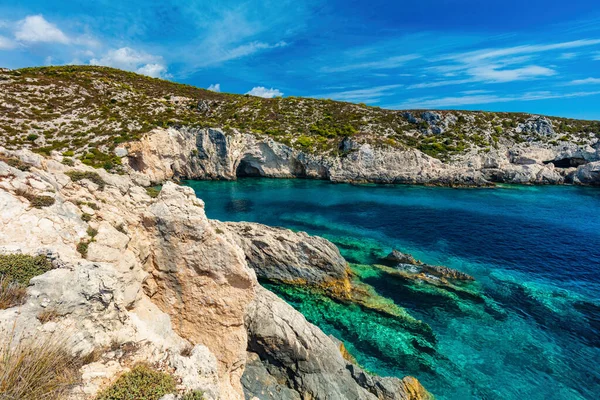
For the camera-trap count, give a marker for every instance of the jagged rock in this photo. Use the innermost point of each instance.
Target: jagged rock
(259, 383)
(588, 174)
(279, 254)
(537, 125)
(408, 262)
(397, 257)
(445, 272)
(213, 154)
(200, 280)
(301, 357)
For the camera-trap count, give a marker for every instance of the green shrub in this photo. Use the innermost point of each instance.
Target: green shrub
(15, 163)
(153, 191)
(141, 383)
(31, 137)
(68, 153)
(86, 217)
(193, 395)
(82, 248)
(22, 267)
(77, 176)
(39, 201)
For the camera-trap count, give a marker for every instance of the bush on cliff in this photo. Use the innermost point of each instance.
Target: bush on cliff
(141, 383)
(77, 176)
(15, 272)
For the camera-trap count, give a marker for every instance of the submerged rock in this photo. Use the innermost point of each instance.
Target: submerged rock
(407, 262)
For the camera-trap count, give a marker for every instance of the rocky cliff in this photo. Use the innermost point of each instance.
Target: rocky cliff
(216, 154)
(123, 121)
(143, 278)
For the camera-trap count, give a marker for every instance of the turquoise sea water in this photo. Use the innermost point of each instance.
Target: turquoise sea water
(528, 328)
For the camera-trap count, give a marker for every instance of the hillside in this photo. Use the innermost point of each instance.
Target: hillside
(86, 111)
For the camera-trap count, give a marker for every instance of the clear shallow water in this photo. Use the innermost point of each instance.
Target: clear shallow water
(528, 328)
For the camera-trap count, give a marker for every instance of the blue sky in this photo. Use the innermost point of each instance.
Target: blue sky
(526, 55)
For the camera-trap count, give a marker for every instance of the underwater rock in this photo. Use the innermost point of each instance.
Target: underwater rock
(299, 355)
(406, 262)
(445, 272)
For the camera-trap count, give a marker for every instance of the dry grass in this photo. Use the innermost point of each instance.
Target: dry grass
(33, 369)
(11, 293)
(49, 314)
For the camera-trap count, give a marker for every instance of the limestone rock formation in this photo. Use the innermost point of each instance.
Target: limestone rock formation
(216, 154)
(281, 255)
(296, 352)
(142, 279)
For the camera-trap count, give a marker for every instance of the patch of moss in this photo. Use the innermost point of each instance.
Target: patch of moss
(141, 383)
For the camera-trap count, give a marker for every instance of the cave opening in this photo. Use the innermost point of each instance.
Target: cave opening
(570, 162)
(246, 169)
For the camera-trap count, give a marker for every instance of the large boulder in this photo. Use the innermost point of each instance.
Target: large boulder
(299, 356)
(281, 255)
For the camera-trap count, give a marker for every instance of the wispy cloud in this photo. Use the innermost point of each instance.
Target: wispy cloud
(366, 95)
(469, 100)
(262, 91)
(387, 63)
(6, 43)
(587, 81)
(487, 54)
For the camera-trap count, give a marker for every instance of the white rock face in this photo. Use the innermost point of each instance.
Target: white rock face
(215, 154)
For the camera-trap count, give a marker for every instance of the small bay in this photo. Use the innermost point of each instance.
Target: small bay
(529, 327)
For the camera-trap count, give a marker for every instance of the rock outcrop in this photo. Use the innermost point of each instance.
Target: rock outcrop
(281, 255)
(216, 154)
(293, 351)
(407, 262)
(143, 279)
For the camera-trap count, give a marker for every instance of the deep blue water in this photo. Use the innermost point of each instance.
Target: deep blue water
(533, 333)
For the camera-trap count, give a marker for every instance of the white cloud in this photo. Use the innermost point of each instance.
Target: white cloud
(587, 81)
(215, 87)
(490, 73)
(133, 60)
(153, 70)
(261, 91)
(6, 43)
(35, 29)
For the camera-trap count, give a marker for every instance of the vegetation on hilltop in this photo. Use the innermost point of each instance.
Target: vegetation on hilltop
(87, 111)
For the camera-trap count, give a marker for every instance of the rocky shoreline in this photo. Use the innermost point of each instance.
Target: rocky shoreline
(177, 153)
(144, 278)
